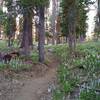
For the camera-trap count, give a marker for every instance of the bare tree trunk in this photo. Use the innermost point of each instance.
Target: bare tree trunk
(74, 36)
(10, 31)
(30, 31)
(25, 39)
(58, 39)
(70, 42)
(27, 20)
(41, 34)
(47, 40)
(9, 41)
(72, 27)
(58, 30)
(53, 24)
(99, 10)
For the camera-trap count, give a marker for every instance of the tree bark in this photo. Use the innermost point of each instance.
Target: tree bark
(72, 27)
(9, 41)
(28, 21)
(41, 34)
(25, 38)
(99, 10)
(70, 43)
(53, 24)
(58, 39)
(58, 30)
(30, 31)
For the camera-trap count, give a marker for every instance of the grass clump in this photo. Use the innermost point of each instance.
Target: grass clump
(18, 65)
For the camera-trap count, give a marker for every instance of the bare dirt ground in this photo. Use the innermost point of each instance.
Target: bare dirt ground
(35, 84)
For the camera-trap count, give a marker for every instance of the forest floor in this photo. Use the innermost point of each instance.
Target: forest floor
(34, 84)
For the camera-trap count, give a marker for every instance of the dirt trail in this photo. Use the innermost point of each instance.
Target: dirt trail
(36, 89)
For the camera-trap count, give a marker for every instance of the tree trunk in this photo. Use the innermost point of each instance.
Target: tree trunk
(72, 27)
(99, 10)
(28, 21)
(30, 31)
(53, 24)
(25, 38)
(9, 33)
(9, 41)
(58, 39)
(74, 36)
(81, 38)
(58, 30)
(70, 43)
(47, 40)
(41, 34)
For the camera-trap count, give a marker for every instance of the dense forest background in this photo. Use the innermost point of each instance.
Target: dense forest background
(47, 39)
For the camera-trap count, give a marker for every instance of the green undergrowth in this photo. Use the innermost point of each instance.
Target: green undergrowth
(15, 65)
(20, 63)
(83, 65)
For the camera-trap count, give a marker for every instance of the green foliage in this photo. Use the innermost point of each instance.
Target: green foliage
(2, 44)
(1, 17)
(66, 86)
(81, 16)
(17, 65)
(32, 3)
(60, 51)
(89, 95)
(34, 56)
(81, 24)
(9, 20)
(91, 91)
(1, 12)
(92, 61)
(6, 26)
(67, 82)
(48, 34)
(9, 26)
(2, 65)
(58, 95)
(88, 57)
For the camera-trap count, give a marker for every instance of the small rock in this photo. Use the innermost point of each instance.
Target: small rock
(49, 90)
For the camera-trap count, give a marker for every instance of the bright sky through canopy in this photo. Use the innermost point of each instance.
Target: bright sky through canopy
(92, 13)
(91, 23)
